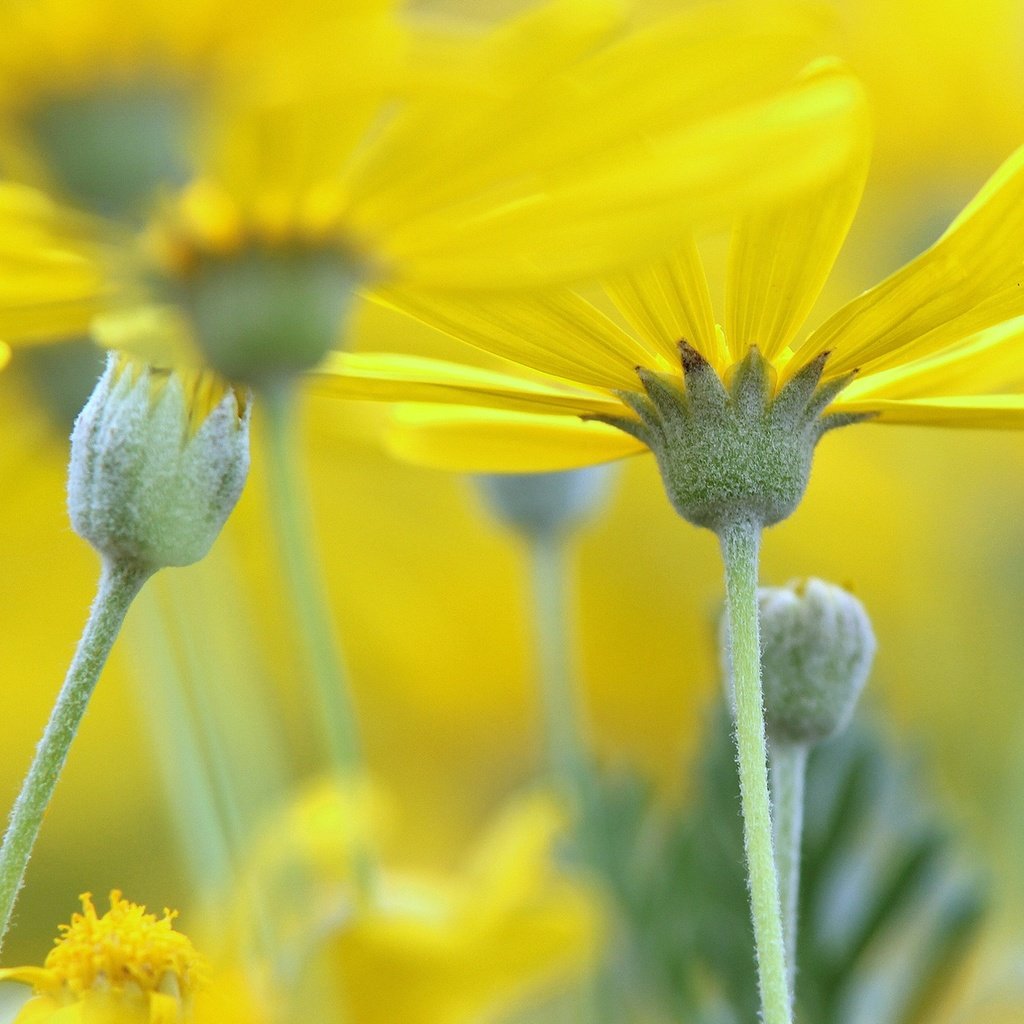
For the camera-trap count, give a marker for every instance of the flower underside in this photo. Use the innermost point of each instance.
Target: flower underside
(733, 452)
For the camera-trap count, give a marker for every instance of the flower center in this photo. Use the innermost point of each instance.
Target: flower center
(266, 286)
(124, 947)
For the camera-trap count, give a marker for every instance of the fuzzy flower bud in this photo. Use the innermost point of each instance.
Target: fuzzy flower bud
(158, 461)
(817, 646)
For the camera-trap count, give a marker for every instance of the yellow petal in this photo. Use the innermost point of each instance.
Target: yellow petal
(989, 362)
(990, 412)
(494, 441)
(46, 1010)
(782, 254)
(558, 333)
(50, 284)
(554, 114)
(604, 210)
(969, 280)
(390, 377)
(667, 302)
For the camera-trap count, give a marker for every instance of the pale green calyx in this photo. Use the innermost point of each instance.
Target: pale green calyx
(817, 647)
(737, 453)
(264, 315)
(538, 504)
(158, 461)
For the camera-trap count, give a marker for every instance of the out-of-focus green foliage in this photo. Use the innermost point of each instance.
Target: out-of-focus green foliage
(888, 904)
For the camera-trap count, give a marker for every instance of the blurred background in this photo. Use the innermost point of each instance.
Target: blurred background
(431, 594)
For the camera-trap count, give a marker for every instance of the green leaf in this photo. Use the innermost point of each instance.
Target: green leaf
(888, 905)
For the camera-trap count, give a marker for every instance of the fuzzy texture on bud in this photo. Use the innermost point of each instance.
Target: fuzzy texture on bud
(817, 647)
(158, 461)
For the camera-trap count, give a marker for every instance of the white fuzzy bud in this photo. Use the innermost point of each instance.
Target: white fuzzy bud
(817, 647)
(158, 461)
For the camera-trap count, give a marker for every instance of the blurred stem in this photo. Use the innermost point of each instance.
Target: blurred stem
(118, 586)
(289, 508)
(740, 550)
(201, 826)
(564, 720)
(788, 773)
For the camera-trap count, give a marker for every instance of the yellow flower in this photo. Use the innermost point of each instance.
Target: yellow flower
(98, 98)
(935, 343)
(562, 153)
(124, 967)
(563, 150)
(419, 948)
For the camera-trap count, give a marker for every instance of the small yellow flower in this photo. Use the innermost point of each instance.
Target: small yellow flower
(124, 967)
(416, 947)
(938, 342)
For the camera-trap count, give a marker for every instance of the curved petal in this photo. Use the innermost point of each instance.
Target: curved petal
(990, 412)
(554, 108)
(50, 283)
(781, 255)
(495, 441)
(668, 301)
(612, 211)
(559, 333)
(987, 363)
(389, 377)
(969, 280)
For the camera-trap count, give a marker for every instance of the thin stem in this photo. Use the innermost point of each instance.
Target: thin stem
(740, 548)
(788, 763)
(188, 786)
(289, 507)
(564, 720)
(117, 588)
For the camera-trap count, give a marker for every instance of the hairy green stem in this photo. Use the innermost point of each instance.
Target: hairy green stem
(740, 550)
(118, 587)
(788, 763)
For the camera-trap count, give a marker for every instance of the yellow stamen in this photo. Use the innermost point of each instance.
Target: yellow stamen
(124, 947)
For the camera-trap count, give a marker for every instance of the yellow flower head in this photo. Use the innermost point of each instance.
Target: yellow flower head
(412, 946)
(935, 343)
(559, 147)
(124, 967)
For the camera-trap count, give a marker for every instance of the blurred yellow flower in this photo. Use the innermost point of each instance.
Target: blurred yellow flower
(560, 150)
(935, 343)
(124, 967)
(418, 948)
(558, 158)
(99, 99)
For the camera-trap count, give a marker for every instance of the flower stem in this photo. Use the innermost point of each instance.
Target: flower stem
(788, 771)
(740, 548)
(564, 722)
(118, 586)
(565, 727)
(289, 509)
(305, 587)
